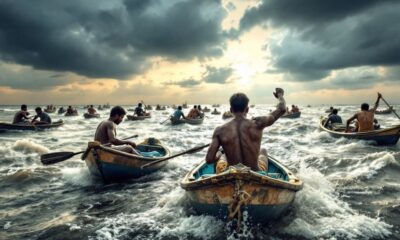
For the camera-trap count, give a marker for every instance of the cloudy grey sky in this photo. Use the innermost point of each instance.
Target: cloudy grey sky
(191, 48)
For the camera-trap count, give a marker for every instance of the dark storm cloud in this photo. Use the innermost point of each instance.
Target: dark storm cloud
(28, 80)
(113, 39)
(328, 35)
(217, 75)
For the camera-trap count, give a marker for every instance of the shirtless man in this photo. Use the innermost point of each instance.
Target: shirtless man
(106, 132)
(22, 115)
(91, 110)
(365, 117)
(241, 137)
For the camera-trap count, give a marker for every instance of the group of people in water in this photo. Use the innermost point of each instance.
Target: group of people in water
(22, 116)
(364, 120)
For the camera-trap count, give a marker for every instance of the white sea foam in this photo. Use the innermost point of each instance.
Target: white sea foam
(29, 146)
(320, 213)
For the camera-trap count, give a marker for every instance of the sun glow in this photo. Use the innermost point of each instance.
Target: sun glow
(244, 73)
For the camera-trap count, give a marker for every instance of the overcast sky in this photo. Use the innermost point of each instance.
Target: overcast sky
(171, 51)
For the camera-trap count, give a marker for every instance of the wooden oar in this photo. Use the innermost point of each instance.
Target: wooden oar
(389, 107)
(192, 150)
(55, 157)
(165, 120)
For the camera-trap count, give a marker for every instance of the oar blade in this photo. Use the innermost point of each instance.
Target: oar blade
(52, 158)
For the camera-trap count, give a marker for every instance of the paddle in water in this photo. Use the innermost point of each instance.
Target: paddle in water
(192, 150)
(56, 157)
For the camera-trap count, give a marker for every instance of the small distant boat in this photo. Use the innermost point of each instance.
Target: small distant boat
(215, 113)
(29, 126)
(50, 110)
(61, 110)
(386, 111)
(113, 165)
(215, 105)
(148, 107)
(385, 136)
(265, 196)
(206, 110)
(159, 108)
(136, 118)
(227, 115)
(71, 114)
(292, 115)
(89, 115)
(195, 121)
(252, 105)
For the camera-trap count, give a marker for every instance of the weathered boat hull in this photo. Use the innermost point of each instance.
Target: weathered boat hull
(268, 198)
(136, 118)
(88, 115)
(196, 121)
(8, 126)
(387, 111)
(50, 110)
(216, 113)
(227, 115)
(114, 165)
(292, 115)
(71, 114)
(386, 136)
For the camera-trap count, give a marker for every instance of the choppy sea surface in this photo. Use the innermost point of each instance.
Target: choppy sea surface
(351, 188)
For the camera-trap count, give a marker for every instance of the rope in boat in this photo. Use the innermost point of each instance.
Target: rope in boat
(240, 198)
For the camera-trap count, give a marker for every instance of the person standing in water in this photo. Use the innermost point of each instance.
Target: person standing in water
(241, 137)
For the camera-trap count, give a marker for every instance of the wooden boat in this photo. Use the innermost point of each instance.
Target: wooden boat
(61, 110)
(89, 115)
(292, 115)
(215, 113)
(135, 118)
(111, 164)
(195, 121)
(227, 115)
(215, 105)
(385, 136)
(159, 108)
(50, 110)
(386, 111)
(206, 110)
(71, 114)
(265, 196)
(29, 127)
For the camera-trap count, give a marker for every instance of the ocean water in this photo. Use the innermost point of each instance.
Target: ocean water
(351, 188)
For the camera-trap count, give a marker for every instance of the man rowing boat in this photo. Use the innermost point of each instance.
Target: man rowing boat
(365, 118)
(22, 115)
(241, 137)
(106, 132)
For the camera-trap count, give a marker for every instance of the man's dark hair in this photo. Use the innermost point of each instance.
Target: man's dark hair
(91, 106)
(239, 102)
(117, 110)
(334, 111)
(180, 107)
(140, 104)
(23, 106)
(365, 106)
(38, 109)
(195, 106)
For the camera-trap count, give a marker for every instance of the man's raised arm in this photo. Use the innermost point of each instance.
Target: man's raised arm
(266, 121)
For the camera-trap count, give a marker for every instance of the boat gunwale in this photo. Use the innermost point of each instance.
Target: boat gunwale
(294, 183)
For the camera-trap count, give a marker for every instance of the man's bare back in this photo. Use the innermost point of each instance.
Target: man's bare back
(241, 138)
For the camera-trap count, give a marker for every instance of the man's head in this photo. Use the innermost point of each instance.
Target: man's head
(365, 107)
(117, 114)
(239, 103)
(38, 110)
(24, 107)
(179, 107)
(195, 107)
(335, 111)
(69, 107)
(140, 104)
(91, 106)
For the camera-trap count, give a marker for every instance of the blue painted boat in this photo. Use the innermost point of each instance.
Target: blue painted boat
(265, 196)
(385, 136)
(292, 115)
(113, 165)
